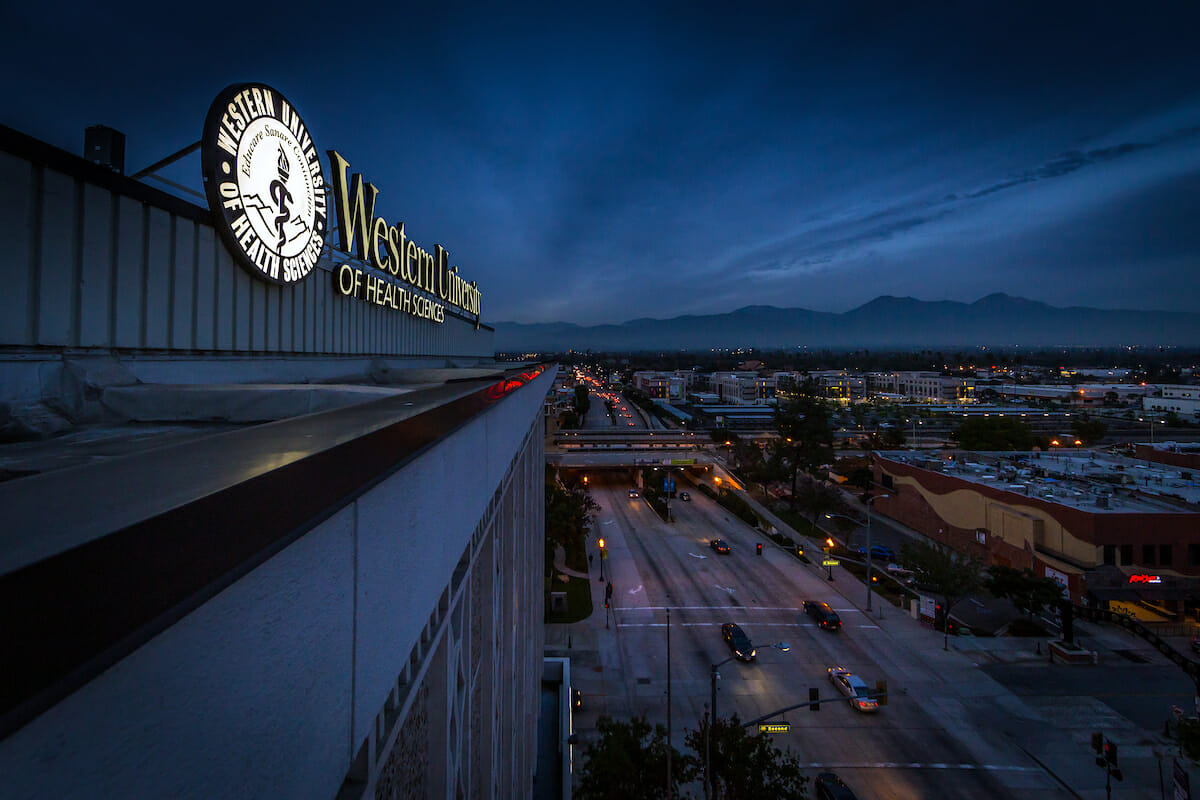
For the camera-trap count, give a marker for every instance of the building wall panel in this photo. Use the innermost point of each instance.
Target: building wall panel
(95, 264)
(206, 289)
(56, 269)
(130, 272)
(96, 268)
(183, 284)
(18, 206)
(159, 257)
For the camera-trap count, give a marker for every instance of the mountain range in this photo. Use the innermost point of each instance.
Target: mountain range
(998, 320)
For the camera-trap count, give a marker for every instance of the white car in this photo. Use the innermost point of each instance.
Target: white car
(853, 687)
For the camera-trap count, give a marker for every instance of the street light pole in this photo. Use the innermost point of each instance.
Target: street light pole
(870, 500)
(782, 646)
(670, 788)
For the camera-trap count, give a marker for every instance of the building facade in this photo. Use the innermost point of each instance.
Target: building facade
(1055, 515)
(1184, 400)
(343, 603)
(923, 387)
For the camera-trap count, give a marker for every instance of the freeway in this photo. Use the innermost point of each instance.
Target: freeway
(941, 734)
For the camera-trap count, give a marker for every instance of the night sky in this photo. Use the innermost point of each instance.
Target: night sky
(663, 159)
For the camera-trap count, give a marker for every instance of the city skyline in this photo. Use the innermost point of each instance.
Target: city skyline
(597, 167)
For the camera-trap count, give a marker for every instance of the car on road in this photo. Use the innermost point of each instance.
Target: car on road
(879, 552)
(738, 641)
(720, 546)
(634, 493)
(825, 616)
(830, 787)
(684, 496)
(855, 688)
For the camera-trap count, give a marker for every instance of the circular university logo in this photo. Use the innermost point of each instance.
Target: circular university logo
(263, 179)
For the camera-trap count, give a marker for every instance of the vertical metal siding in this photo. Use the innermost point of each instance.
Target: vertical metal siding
(87, 267)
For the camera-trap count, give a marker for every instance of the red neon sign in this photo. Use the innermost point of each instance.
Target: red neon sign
(1145, 579)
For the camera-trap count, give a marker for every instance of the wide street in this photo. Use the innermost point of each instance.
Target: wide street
(949, 729)
(654, 567)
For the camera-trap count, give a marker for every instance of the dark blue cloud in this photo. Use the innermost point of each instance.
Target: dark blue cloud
(652, 159)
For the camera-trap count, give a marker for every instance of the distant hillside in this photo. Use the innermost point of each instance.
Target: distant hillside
(997, 320)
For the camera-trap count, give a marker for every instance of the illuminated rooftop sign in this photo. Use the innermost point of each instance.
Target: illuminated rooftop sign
(1145, 579)
(263, 179)
(267, 193)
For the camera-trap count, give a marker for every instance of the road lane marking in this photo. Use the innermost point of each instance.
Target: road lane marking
(711, 608)
(693, 555)
(635, 591)
(743, 622)
(915, 765)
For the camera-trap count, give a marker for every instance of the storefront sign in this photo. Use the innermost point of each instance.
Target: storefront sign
(263, 179)
(775, 727)
(1145, 579)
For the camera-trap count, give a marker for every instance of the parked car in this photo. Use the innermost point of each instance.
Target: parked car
(738, 641)
(634, 493)
(855, 688)
(719, 546)
(830, 787)
(684, 496)
(825, 616)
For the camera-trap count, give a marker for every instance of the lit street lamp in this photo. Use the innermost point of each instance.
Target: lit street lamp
(782, 647)
(603, 556)
(829, 556)
(870, 500)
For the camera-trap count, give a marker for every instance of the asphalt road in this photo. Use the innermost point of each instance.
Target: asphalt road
(928, 742)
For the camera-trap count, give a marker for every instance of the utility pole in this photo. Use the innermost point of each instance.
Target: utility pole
(669, 783)
(870, 500)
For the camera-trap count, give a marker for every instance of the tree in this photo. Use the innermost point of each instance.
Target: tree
(817, 498)
(568, 517)
(583, 401)
(994, 433)
(745, 766)
(943, 572)
(803, 426)
(1028, 592)
(629, 762)
(1089, 431)
(894, 438)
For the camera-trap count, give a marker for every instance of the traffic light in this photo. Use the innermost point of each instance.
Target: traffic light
(1098, 747)
(1110, 755)
(758, 548)
(606, 603)
(608, 590)
(814, 699)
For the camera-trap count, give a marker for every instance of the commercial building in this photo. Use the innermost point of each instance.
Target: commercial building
(1182, 399)
(840, 385)
(1061, 515)
(287, 541)
(743, 388)
(662, 385)
(1081, 395)
(922, 387)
